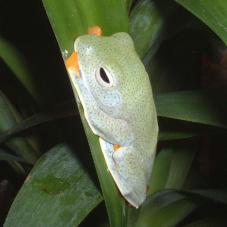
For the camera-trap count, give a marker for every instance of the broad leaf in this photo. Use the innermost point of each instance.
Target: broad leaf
(57, 192)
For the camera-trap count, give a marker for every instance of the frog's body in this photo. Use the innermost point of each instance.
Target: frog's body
(116, 95)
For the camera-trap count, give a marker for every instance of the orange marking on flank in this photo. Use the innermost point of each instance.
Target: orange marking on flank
(72, 63)
(116, 147)
(95, 30)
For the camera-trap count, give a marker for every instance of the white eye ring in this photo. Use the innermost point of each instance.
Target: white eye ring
(104, 77)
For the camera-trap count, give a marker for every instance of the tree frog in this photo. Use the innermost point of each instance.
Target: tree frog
(115, 92)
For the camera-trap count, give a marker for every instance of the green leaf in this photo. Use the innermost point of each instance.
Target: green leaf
(160, 170)
(35, 120)
(217, 195)
(174, 135)
(13, 161)
(168, 207)
(16, 62)
(146, 24)
(57, 192)
(212, 13)
(9, 117)
(9, 157)
(17, 167)
(171, 167)
(164, 209)
(173, 129)
(69, 19)
(196, 106)
(180, 165)
(128, 3)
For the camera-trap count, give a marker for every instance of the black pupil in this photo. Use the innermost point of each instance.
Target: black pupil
(104, 76)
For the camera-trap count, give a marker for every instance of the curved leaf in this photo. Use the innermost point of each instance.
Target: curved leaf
(16, 62)
(9, 157)
(160, 170)
(145, 26)
(164, 209)
(168, 207)
(57, 192)
(198, 106)
(9, 117)
(13, 161)
(212, 13)
(171, 167)
(180, 165)
(217, 195)
(36, 119)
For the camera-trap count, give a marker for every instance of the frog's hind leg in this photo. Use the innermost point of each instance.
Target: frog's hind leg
(124, 166)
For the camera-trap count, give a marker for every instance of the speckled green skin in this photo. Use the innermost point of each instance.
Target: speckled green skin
(122, 114)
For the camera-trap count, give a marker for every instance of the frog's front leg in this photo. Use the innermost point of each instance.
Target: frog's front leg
(127, 170)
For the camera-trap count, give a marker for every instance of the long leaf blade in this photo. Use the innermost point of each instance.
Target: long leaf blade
(9, 117)
(16, 62)
(69, 19)
(164, 209)
(195, 106)
(146, 24)
(212, 13)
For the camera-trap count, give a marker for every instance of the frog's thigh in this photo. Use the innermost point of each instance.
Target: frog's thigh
(133, 178)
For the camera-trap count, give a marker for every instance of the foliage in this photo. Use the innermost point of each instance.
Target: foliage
(182, 44)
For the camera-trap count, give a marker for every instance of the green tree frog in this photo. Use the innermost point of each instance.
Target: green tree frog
(116, 95)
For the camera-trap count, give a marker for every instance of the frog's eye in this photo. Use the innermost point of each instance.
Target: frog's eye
(104, 78)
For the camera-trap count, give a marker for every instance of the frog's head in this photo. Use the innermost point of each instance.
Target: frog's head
(110, 69)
